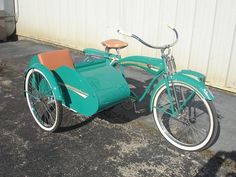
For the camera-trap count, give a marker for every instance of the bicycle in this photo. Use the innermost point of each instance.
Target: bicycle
(180, 101)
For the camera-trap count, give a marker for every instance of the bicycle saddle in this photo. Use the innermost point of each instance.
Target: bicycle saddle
(114, 44)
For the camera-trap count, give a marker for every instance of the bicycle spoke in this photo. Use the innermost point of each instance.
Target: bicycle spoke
(191, 126)
(44, 107)
(200, 130)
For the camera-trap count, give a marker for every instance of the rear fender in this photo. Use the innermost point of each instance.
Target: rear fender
(194, 82)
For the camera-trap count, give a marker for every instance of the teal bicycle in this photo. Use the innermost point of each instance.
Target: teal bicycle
(180, 101)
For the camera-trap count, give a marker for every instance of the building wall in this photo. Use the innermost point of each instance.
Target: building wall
(206, 29)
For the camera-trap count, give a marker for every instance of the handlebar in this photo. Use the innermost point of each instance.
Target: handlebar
(124, 33)
(149, 45)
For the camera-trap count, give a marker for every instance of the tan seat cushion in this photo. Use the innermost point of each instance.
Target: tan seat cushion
(114, 44)
(54, 59)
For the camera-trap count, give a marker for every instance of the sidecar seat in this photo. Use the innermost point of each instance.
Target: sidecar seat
(54, 59)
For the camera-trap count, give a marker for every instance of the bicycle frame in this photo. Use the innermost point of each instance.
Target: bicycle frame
(161, 74)
(153, 66)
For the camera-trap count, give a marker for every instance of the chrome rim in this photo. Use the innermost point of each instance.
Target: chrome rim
(41, 100)
(192, 129)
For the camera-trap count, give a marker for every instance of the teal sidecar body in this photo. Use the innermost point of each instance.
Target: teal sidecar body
(86, 87)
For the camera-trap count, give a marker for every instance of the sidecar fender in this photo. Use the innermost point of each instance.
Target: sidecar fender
(50, 77)
(192, 79)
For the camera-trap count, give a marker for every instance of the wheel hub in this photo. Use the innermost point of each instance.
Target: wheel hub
(185, 120)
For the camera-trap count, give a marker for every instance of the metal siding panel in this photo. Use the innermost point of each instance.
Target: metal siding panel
(41, 24)
(92, 15)
(184, 24)
(166, 18)
(231, 80)
(102, 22)
(63, 22)
(25, 24)
(205, 35)
(113, 12)
(80, 24)
(133, 22)
(53, 19)
(201, 38)
(114, 21)
(48, 20)
(1, 5)
(222, 42)
(75, 23)
(150, 26)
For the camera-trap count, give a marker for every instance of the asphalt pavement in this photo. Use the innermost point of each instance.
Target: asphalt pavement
(117, 142)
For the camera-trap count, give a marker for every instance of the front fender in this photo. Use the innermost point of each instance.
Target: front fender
(180, 77)
(50, 77)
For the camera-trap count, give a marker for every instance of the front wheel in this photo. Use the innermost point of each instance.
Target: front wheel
(195, 127)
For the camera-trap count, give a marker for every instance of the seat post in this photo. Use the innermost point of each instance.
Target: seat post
(107, 50)
(118, 51)
(114, 44)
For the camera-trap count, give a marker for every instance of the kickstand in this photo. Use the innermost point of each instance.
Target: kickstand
(138, 111)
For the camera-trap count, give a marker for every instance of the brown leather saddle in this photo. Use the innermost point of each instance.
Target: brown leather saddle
(115, 44)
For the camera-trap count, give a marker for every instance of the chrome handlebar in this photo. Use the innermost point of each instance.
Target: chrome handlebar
(149, 45)
(124, 33)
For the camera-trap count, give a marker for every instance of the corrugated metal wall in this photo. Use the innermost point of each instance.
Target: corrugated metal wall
(206, 29)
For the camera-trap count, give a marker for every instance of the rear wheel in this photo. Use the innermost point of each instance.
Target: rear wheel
(46, 110)
(195, 128)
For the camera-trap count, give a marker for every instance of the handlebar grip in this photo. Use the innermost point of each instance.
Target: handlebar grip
(124, 33)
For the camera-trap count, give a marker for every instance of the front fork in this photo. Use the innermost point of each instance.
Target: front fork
(178, 109)
(174, 110)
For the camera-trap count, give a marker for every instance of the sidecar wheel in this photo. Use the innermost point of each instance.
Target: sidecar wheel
(46, 110)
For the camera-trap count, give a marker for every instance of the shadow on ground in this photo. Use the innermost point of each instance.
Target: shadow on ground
(220, 159)
(119, 114)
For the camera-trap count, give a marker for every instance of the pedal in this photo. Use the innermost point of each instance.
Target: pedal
(132, 99)
(127, 105)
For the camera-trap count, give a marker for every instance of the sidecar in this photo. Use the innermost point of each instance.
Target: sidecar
(87, 87)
